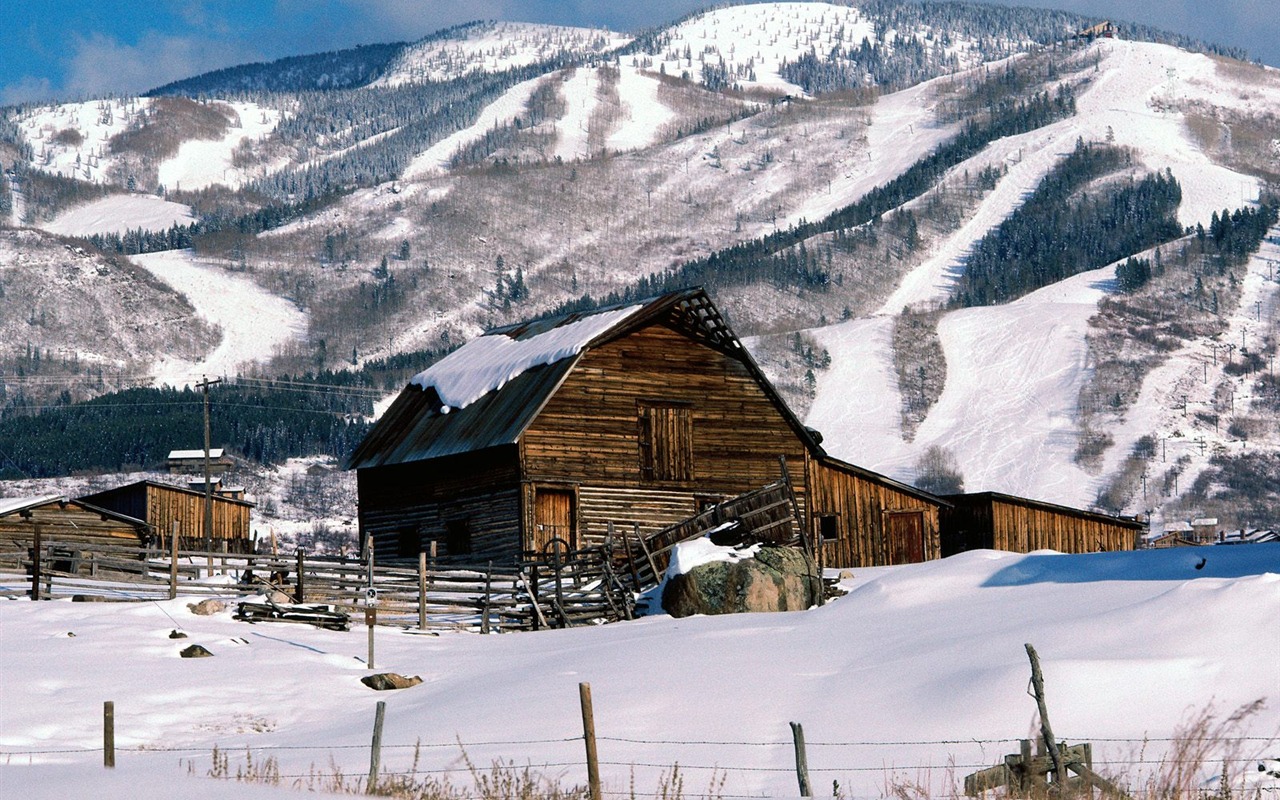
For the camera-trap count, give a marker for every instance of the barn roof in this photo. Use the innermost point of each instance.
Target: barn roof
(884, 480)
(132, 487)
(11, 505)
(17, 505)
(186, 455)
(987, 497)
(487, 392)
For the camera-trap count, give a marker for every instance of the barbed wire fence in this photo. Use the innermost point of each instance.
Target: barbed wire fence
(716, 759)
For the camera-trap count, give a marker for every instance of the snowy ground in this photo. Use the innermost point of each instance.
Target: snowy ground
(199, 164)
(119, 213)
(254, 322)
(922, 654)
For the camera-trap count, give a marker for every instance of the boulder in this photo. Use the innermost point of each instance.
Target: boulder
(777, 579)
(384, 681)
(207, 608)
(195, 651)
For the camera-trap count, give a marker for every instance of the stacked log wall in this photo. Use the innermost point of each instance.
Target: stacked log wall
(589, 432)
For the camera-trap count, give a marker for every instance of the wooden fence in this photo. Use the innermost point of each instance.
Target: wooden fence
(562, 590)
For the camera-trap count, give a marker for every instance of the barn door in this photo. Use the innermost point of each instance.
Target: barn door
(904, 531)
(553, 518)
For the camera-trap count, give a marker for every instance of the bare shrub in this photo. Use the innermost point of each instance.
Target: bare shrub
(938, 472)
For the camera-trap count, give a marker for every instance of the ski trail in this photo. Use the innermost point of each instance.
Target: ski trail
(254, 322)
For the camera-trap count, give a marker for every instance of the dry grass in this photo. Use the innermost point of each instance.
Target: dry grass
(503, 780)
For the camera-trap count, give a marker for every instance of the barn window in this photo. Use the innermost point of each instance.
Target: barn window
(408, 542)
(666, 441)
(457, 537)
(828, 527)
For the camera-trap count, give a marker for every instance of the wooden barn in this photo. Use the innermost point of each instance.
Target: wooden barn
(161, 505)
(633, 415)
(993, 521)
(66, 521)
(191, 462)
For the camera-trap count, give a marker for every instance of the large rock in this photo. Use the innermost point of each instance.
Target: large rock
(384, 681)
(777, 579)
(207, 608)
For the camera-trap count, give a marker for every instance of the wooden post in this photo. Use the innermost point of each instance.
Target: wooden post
(37, 544)
(173, 562)
(109, 734)
(301, 596)
(422, 590)
(433, 554)
(375, 751)
(802, 760)
(488, 598)
(1037, 684)
(644, 548)
(589, 738)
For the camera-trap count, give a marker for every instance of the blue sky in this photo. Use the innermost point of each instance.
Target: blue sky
(71, 48)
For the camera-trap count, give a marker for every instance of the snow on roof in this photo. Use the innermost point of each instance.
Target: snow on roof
(1177, 527)
(8, 505)
(1202, 522)
(490, 362)
(215, 452)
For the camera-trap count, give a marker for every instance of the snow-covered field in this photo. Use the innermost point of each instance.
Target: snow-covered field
(928, 658)
(119, 213)
(199, 164)
(254, 322)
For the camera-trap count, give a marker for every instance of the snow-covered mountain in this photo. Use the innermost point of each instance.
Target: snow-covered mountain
(398, 215)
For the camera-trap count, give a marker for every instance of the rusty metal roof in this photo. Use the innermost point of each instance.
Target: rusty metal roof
(417, 426)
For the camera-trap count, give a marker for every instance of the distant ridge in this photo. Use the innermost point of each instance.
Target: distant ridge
(338, 69)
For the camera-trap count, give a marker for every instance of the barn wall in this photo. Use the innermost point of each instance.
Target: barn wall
(1021, 529)
(166, 505)
(422, 498)
(859, 504)
(589, 432)
(72, 524)
(984, 521)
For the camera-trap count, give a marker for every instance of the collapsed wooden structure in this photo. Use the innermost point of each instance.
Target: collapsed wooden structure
(631, 417)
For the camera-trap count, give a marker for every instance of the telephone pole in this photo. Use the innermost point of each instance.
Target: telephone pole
(204, 384)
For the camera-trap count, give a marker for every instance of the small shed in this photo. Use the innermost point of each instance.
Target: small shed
(191, 462)
(863, 519)
(994, 521)
(66, 521)
(161, 505)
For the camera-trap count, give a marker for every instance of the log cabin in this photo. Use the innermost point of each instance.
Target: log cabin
(162, 505)
(66, 521)
(634, 416)
(994, 521)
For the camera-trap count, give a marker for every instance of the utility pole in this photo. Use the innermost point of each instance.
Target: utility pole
(204, 384)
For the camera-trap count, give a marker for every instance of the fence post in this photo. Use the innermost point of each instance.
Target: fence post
(589, 737)
(488, 594)
(109, 734)
(36, 546)
(422, 590)
(1050, 744)
(802, 760)
(173, 562)
(302, 591)
(375, 751)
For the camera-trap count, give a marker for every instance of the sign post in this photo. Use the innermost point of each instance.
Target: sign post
(370, 617)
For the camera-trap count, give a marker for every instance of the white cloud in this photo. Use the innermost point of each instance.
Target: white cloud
(26, 90)
(100, 64)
